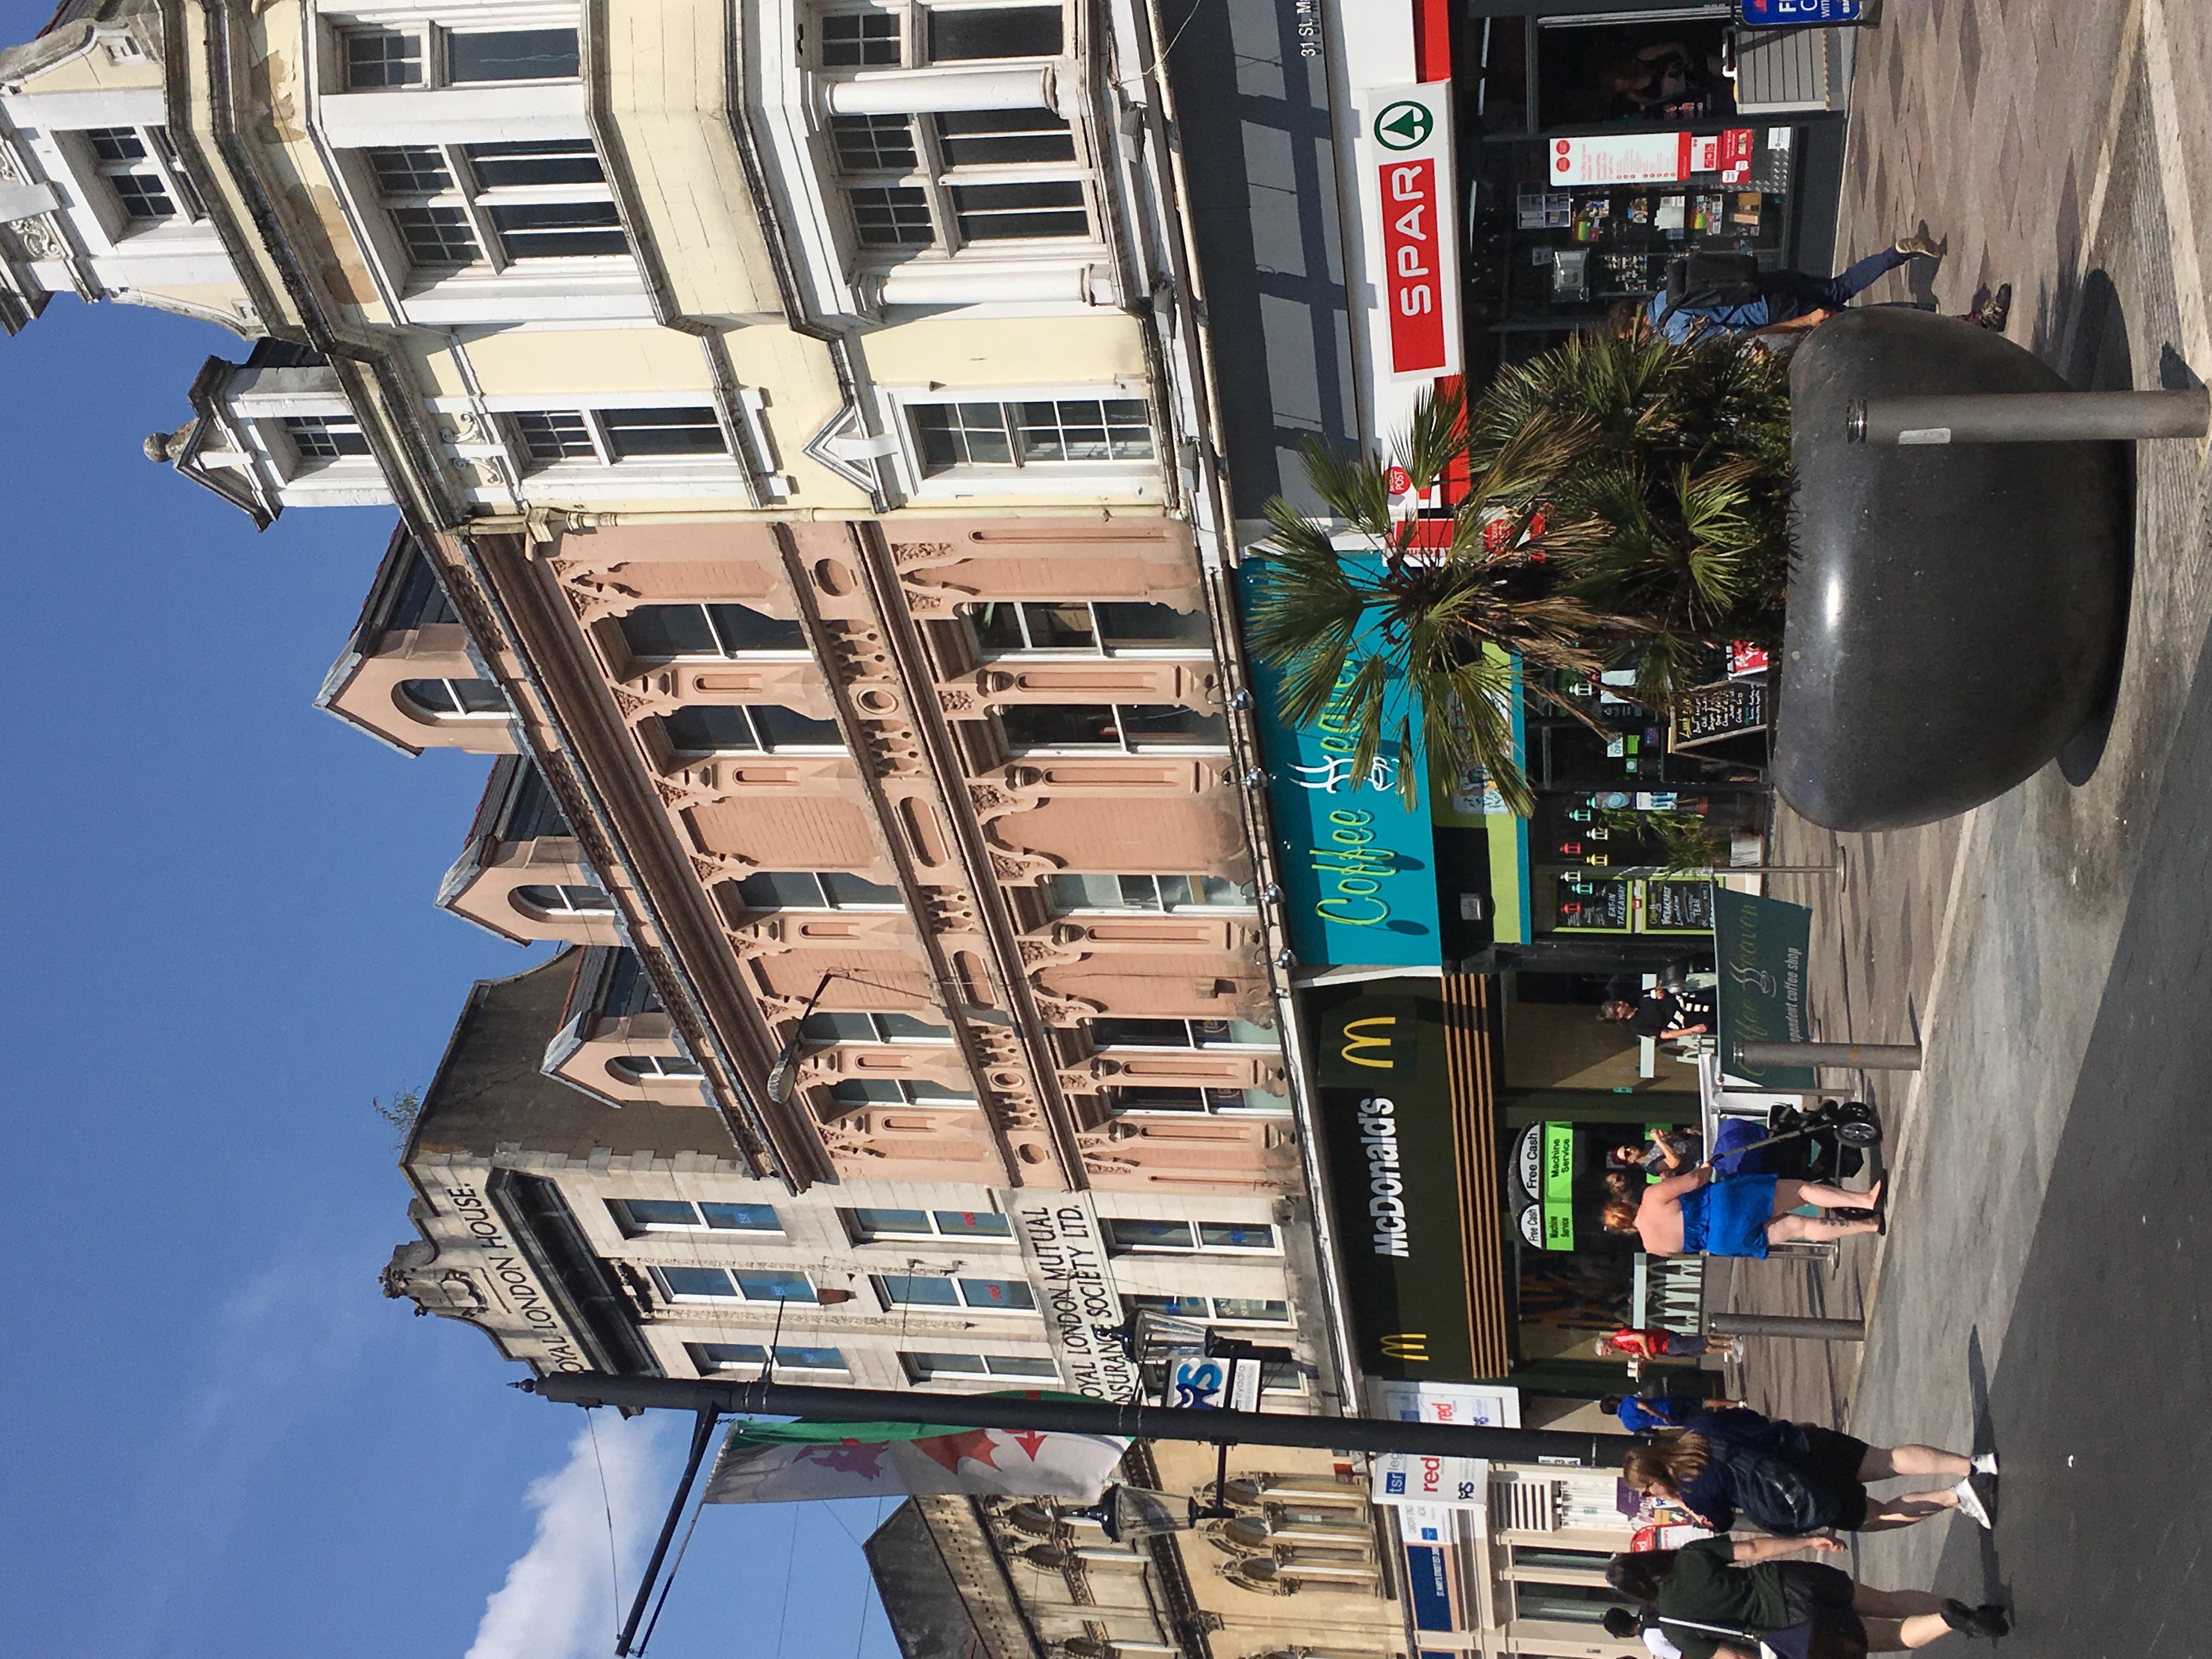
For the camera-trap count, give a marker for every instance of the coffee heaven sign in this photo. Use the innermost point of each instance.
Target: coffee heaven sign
(1359, 867)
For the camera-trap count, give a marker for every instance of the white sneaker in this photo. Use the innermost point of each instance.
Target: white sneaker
(1969, 1503)
(1985, 1462)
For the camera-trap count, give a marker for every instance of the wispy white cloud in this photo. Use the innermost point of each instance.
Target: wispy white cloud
(558, 1601)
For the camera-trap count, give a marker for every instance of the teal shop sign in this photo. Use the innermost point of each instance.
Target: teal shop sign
(1358, 869)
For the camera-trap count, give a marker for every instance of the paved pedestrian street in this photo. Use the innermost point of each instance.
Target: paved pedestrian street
(2041, 1291)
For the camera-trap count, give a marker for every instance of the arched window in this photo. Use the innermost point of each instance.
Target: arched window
(646, 1065)
(448, 700)
(564, 900)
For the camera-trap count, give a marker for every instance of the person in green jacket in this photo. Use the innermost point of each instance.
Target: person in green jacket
(1717, 1598)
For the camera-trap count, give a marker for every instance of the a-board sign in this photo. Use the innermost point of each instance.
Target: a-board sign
(1678, 907)
(1711, 713)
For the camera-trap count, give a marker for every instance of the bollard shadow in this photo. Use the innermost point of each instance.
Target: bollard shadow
(2099, 359)
(1994, 1588)
(1920, 274)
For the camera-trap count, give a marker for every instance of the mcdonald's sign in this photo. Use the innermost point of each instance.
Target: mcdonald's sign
(1395, 1161)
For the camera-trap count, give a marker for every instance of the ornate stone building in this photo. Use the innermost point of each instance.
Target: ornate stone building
(640, 1241)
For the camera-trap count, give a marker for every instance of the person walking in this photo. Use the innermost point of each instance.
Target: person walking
(1661, 1413)
(1797, 1478)
(1650, 1342)
(1791, 301)
(1719, 1598)
(1698, 1214)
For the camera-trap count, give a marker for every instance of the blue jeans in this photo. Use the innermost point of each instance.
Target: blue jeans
(1793, 293)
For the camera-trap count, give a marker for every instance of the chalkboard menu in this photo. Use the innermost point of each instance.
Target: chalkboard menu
(1711, 713)
(1602, 907)
(1678, 907)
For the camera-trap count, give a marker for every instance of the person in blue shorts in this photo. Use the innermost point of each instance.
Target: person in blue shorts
(1648, 1413)
(1698, 1214)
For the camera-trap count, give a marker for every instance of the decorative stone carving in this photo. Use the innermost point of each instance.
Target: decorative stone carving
(906, 554)
(956, 703)
(715, 867)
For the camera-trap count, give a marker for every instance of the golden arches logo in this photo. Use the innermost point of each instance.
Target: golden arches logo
(1356, 1038)
(1412, 1346)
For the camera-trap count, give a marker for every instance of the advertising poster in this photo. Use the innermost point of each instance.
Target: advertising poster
(1762, 945)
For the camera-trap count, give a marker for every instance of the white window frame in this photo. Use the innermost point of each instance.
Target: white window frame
(919, 1374)
(1098, 646)
(827, 903)
(566, 908)
(1198, 1246)
(880, 1283)
(599, 433)
(1125, 745)
(1128, 478)
(691, 1298)
(279, 436)
(751, 1369)
(848, 1217)
(1214, 1102)
(914, 34)
(905, 1086)
(1159, 907)
(727, 654)
(465, 192)
(1214, 1317)
(157, 160)
(874, 1019)
(631, 1227)
(1190, 1042)
(760, 747)
(937, 181)
(431, 29)
(458, 715)
(632, 1067)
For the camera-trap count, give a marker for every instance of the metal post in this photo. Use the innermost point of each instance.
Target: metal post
(1849, 1056)
(2028, 417)
(1791, 1325)
(1136, 1420)
(702, 1436)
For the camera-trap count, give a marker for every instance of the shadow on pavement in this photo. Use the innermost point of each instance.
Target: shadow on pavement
(2100, 360)
(2098, 1399)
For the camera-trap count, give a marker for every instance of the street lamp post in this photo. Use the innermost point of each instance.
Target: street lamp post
(1047, 1414)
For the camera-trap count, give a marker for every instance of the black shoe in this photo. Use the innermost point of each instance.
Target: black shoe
(1974, 1623)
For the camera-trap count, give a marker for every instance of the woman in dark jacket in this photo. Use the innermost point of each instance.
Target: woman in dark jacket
(1797, 1478)
(1720, 1596)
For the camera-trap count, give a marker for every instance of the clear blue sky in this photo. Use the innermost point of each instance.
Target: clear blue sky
(221, 1439)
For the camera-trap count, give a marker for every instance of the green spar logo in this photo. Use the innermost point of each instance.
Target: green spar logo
(1404, 125)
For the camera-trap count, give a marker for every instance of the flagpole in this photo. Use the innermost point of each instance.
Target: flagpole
(702, 1436)
(1033, 1411)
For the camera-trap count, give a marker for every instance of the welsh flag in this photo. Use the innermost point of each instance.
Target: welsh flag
(784, 1462)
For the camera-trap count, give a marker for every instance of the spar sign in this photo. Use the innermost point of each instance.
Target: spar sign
(1406, 163)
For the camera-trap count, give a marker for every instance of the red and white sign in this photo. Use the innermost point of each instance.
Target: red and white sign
(1414, 257)
(1652, 158)
(1406, 154)
(1744, 658)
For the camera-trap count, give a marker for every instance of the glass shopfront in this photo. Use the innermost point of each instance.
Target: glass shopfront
(1597, 146)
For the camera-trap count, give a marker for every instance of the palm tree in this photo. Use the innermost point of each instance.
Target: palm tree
(1628, 499)
(1674, 510)
(1401, 625)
